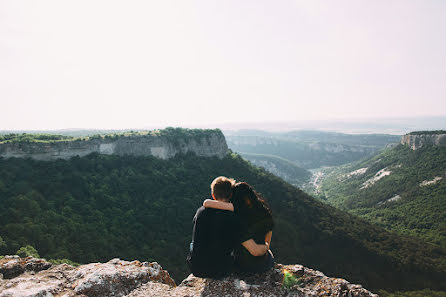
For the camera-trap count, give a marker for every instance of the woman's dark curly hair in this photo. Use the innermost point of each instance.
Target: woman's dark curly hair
(248, 202)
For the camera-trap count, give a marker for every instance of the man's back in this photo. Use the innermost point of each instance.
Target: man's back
(214, 238)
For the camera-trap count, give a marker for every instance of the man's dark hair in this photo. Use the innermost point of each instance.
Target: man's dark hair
(221, 188)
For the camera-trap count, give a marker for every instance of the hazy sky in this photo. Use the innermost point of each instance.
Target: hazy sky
(124, 64)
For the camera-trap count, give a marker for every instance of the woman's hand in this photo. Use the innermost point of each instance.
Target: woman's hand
(254, 248)
(268, 237)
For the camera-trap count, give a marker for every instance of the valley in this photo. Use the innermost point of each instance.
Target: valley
(101, 206)
(303, 150)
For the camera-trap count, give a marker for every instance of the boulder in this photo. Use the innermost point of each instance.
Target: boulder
(114, 278)
(12, 266)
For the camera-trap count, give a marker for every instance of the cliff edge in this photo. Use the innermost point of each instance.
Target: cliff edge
(417, 140)
(31, 277)
(163, 144)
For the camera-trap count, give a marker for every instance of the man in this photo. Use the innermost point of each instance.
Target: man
(215, 234)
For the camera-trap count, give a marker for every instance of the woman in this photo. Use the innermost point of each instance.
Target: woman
(256, 228)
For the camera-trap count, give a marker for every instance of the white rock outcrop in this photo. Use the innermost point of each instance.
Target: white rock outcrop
(379, 175)
(418, 141)
(357, 172)
(393, 199)
(431, 182)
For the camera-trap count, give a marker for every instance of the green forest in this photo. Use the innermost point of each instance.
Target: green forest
(100, 207)
(435, 132)
(420, 209)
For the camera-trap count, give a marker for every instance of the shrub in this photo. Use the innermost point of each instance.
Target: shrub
(27, 251)
(66, 261)
(289, 280)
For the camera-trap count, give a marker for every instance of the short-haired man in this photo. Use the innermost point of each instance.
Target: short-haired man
(215, 234)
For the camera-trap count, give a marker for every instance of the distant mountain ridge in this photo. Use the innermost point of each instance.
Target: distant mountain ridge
(163, 144)
(309, 149)
(283, 168)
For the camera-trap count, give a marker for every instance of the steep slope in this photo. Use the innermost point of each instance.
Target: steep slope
(403, 189)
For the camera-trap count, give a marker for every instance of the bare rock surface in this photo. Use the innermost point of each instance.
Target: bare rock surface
(114, 278)
(12, 266)
(307, 282)
(210, 145)
(136, 279)
(418, 141)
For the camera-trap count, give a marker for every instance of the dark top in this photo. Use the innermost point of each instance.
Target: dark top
(213, 241)
(254, 226)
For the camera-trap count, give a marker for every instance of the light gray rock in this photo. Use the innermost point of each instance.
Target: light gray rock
(12, 266)
(307, 282)
(136, 279)
(418, 141)
(114, 278)
(213, 144)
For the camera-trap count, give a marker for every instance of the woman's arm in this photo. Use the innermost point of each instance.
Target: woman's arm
(254, 248)
(209, 203)
(268, 237)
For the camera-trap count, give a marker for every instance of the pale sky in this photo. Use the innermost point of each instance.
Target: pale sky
(132, 64)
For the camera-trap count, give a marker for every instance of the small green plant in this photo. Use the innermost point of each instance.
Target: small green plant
(27, 251)
(289, 280)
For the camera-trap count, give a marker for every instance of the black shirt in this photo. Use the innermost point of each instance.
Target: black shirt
(213, 240)
(254, 226)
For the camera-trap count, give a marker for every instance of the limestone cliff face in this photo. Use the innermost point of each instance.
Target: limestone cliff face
(420, 140)
(212, 144)
(30, 277)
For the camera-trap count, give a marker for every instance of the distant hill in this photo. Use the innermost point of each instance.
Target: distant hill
(403, 189)
(308, 149)
(99, 207)
(280, 167)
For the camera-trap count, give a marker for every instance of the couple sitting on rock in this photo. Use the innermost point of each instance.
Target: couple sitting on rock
(231, 233)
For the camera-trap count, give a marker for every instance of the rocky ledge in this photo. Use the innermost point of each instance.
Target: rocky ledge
(30, 277)
(206, 143)
(418, 140)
